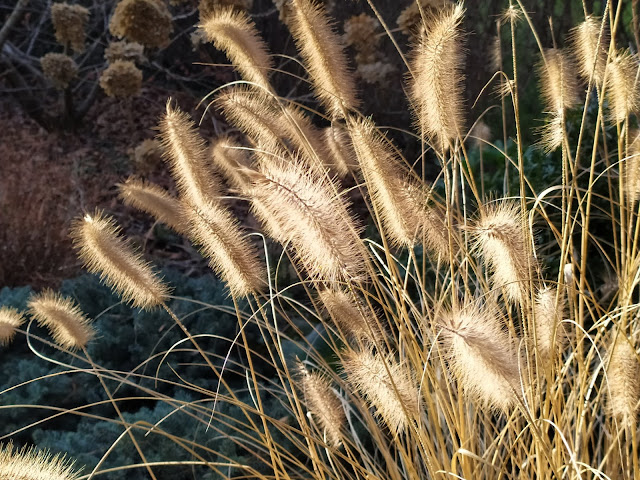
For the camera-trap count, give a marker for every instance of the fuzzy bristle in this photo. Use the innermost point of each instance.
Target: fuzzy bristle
(104, 251)
(31, 464)
(623, 85)
(590, 55)
(632, 168)
(382, 173)
(351, 315)
(298, 203)
(156, 201)
(69, 327)
(323, 403)
(232, 31)
(187, 155)
(10, 320)
(499, 236)
(229, 158)
(257, 115)
(436, 85)
(230, 253)
(548, 312)
(341, 155)
(324, 57)
(387, 385)
(623, 376)
(482, 356)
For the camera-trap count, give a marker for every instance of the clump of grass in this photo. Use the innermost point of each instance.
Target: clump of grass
(466, 336)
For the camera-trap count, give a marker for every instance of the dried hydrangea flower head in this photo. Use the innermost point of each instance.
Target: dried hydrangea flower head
(70, 23)
(10, 320)
(121, 79)
(147, 22)
(123, 50)
(59, 68)
(410, 19)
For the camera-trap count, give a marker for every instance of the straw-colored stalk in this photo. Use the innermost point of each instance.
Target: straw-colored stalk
(436, 77)
(230, 253)
(104, 251)
(590, 54)
(31, 464)
(187, 155)
(482, 356)
(623, 376)
(299, 204)
(324, 404)
(390, 387)
(623, 85)
(232, 31)
(69, 327)
(499, 236)
(351, 315)
(324, 56)
(156, 201)
(10, 320)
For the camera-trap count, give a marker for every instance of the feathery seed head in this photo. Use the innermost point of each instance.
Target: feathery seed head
(68, 326)
(410, 19)
(10, 320)
(481, 356)
(121, 79)
(147, 22)
(29, 464)
(229, 252)
(500, 238)
(548, 312)
(70, 23)
(558, 83)
(436, 84)
(232, 31)
(297, 203)
(591, 55)
(632, 168)
(256, 114)
(230, 158)
(623, 376)
(341, 155)
(389, 386)
(324, 57)
(512, 14)
(623, 85)
(156, 201)
(351, 315)
(323, 403)
(104, 251)
(383, 174)
(59, 68)
(186, 153)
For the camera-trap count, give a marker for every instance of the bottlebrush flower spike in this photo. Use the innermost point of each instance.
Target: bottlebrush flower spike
(69, 327)
(104, 251)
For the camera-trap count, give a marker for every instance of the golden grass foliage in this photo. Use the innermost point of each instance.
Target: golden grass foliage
(401, 328)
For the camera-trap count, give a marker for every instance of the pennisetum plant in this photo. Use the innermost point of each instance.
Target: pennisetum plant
(430, 330)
